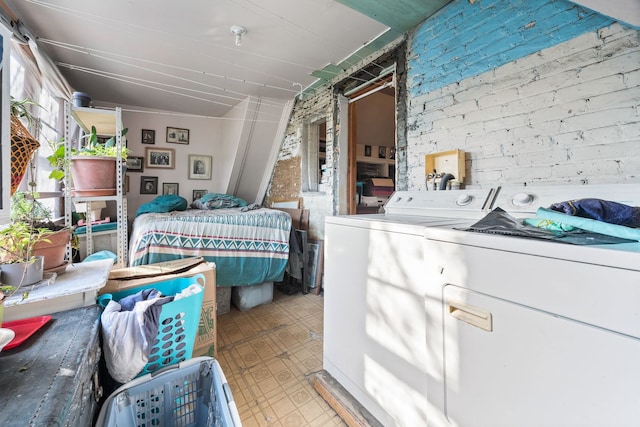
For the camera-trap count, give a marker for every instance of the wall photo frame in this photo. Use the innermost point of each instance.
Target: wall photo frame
(177, 135)
(135, 164)
(197, 194)
(200, 166)
(148, 185)
(161, 158)
(170, 188)
(148, 136)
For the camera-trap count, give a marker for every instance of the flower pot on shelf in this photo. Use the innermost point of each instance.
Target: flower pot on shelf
(93, 175)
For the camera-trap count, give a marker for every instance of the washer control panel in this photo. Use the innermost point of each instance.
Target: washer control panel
(453, 203)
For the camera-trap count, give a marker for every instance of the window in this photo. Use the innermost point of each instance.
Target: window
(25, 84)
(314, 158)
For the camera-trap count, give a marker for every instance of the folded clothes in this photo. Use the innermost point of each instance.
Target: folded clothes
(589, 224)
(601, 210)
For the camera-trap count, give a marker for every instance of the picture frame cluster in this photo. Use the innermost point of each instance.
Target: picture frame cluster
(199, 166)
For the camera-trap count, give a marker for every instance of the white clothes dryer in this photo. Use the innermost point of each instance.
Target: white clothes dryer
(526, 332)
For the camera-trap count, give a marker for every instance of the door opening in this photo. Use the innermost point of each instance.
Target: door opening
(372, 146)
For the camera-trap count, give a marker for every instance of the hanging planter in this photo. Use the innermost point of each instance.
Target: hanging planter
(23, 145)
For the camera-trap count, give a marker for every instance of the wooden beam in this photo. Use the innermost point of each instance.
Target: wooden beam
(348, 408)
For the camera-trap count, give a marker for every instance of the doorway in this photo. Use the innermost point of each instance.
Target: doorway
(372, 146)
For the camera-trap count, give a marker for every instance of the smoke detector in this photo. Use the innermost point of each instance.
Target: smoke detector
(238, 31)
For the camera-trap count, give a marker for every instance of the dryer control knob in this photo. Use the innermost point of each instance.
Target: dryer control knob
(464, 199)
(522, 199)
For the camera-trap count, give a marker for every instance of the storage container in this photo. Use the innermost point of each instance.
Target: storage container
(178, 324)
(191, 393)
(102, 240)
(246, 297)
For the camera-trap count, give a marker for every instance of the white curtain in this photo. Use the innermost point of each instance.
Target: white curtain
(53, 79)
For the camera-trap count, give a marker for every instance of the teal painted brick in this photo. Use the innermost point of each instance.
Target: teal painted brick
(463, 40)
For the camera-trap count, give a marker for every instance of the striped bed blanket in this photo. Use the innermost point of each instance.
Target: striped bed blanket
(248, 247)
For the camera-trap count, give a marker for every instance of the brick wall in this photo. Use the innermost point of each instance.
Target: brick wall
(286, 181)
(569, 113)
(533, 91)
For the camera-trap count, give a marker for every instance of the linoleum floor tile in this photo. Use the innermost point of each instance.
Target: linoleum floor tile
(267, 354)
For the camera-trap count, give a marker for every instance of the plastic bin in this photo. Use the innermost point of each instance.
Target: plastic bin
(178, 324)
(192, 393)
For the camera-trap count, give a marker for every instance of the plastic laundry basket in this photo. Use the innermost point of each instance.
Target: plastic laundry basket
(178, 324)
(194, 393)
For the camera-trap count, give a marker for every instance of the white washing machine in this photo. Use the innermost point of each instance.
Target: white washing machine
(526, 332)
(374, 310)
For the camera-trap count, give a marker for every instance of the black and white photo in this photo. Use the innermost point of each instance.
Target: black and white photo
(163, 158)
(135, 164)
(177, 135)
(199, 166)
(170, 188)
(148, 136)
(148, 185)
(198, 194)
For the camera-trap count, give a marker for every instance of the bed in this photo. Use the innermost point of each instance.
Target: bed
(248, 246)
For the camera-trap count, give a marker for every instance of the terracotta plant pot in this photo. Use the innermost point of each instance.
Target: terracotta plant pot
(93, 175)
(54, 250)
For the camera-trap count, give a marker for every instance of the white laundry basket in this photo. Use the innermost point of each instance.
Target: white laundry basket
(193, 393)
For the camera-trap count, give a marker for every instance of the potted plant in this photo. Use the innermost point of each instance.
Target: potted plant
(52, 238)
(93, 167)
(18, 265)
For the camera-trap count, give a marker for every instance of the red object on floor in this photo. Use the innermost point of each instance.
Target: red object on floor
(24, 329)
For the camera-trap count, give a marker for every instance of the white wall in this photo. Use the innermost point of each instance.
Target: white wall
(204, 138)
(231, 136)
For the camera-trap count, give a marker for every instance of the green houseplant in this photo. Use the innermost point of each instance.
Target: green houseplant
(52, 239)
(19, 266)
(93, 167)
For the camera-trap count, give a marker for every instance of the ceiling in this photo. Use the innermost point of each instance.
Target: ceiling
(182, 57)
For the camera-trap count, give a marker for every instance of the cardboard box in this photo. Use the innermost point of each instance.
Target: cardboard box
(132, 277)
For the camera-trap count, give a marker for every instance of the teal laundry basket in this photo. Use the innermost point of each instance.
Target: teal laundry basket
(178, 323)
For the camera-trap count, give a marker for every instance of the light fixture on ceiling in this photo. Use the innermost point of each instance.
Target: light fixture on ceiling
(239, 32)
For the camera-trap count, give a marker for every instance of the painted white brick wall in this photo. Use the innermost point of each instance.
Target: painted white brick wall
(567, 114)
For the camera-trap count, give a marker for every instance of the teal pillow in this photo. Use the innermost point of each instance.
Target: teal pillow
(218, 200)
(164, 203)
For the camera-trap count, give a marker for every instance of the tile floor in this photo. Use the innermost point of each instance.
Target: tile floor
(267, 354)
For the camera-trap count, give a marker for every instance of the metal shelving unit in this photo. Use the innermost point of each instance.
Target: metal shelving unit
(108, 123)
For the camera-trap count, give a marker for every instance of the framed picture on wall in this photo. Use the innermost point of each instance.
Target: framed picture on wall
(199, 166)
(135, 164)
(170, 188)
(177, 135)
(382, 152)
(163, 158)
(148, 185)
(198, 194)
(367, 151)
(148, 136)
